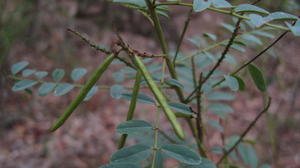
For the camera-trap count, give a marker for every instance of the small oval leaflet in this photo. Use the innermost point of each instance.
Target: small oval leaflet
(142, 98)
(181, 153)
(23, 84)
(206, 163)
(242, 86)
(63, 88)
(91, 93)
(46, 88)
(216, 125)
(18, 67)
(41, 74)
(201, 5)
(28, 72)
(132, 126)
(132, 154)
(174, 82)
(280, 16)
(257, 77)
(231, 82)
(78, 73)
(221, 4)
(58, 74)
(250, 8)
(121, 165)
(180, 107)
(220, 107)
(220, 96)
(116, 91)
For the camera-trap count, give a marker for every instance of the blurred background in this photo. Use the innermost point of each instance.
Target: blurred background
(35, 31)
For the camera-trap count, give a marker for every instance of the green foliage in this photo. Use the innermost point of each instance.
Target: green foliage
(197, 80)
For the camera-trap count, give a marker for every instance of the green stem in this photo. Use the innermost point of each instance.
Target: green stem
(84, 91)
(132, 105)
(155, 144)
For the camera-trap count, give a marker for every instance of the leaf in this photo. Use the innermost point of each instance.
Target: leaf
(248, 155)
(231, 82)
(131, 154)
(219, 96)
(251, 39)
(250, 8)
(242, 86)
(58, 74)
(221, 4)
(63, 88)
(258, 77)
(220, 107)
(116, 91)
(296, 28)
(180, 107)
(118, 76)
(256, 20)
(132, 126)
(210, 35)
(18, 67)
(228, 27)
(46, 88)
(91, 93)
(265, 166)
(142, 98)
(206, 163)
(280, 16)
(121, 165)
(41, 74)
(181, 153)
(78, 73)
(215, 124)
(133, 2)
(23, 84)
(174, 82)
(28, 72)
(201, 5)
(264, 34)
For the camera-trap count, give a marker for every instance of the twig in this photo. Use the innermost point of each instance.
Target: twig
(186, 24)
(246, 131)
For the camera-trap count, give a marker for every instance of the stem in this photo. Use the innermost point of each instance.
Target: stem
(155, 145)
(186, 24)
(246, 131)
(132, 105)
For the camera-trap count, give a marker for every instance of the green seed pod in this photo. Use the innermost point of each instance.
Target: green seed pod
(84, 91)
(160, 98)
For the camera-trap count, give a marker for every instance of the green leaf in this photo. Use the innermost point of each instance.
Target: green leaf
(116, 91)
(78, 73)
(296, 28)
(118, 76)
(63, 88)
(250, 8)
(142, 98)
(206, 163)
(132, 126)
(228, 27)
(256, 20)
(248, 155)
(174, 82)
(46, 88)
(265, 166)
(132, 154)
(257, 77)
(132, 2)
(210, 36)
(121, 165)
(231, 82)
(41, 74)
(23, 84)
(220, 107)
(221, 4)
(264, 34)
(91, 93)
(242, 86)
(249, 38)
(220, 96)
(58, 74)
(280, 16)
(18, 67)
(180, 107)
(201, 5)
(28, 72)
(215, 124)
(182, 154)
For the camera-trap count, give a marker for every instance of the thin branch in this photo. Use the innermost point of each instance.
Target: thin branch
(186, 24)
(225, 51)
(102, 49)
(246, 131)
